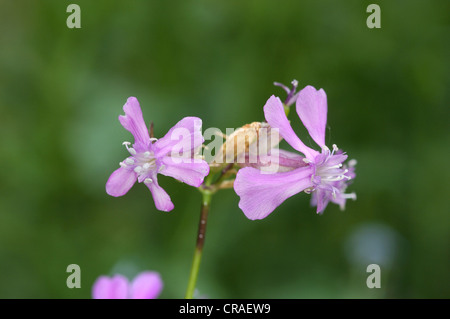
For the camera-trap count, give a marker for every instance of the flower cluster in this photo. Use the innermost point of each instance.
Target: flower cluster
(261, 187)
(249, 160)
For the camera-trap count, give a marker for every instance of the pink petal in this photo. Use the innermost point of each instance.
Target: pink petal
(160, 197)
(110, 288)
(185, 136)
(320, 198)
(262, 193)
(278, 161)
(147, 285)
(312, 110)
(186, 170)
(290, 159)
(275, 116)
(133, 121)
(120, 182)
(336, 159)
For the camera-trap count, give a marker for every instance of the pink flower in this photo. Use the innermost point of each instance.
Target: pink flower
(146, 285)
(171, 155)
(320, 173)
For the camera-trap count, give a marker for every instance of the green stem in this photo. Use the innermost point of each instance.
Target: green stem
(223, 174)
(206, 201)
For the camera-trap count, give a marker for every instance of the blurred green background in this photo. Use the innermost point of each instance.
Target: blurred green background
(61, 91)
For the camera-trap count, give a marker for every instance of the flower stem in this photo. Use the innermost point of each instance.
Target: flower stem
(206, 201)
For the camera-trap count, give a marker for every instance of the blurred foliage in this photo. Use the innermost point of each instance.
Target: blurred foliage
(61, 91)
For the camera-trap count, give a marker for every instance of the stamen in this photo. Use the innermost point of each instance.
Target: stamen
(122, 164)
(153, 139)
(335, 148)
(352, 162)
(147, 154)
(334, 179)
(129, 161)
(138, 169)
(130, 149)
(349, 196)
(146, 166)
(307, 161)
(148, 181)
(335, 166)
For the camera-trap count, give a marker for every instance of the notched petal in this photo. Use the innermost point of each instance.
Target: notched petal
(276, 117)
(133, 121)
(312, 109)
(160, 197)
(182, 138)
(186, 170)
(261, 193)
(120, 182)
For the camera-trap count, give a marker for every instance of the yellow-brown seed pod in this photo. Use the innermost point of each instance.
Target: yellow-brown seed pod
(250, 138)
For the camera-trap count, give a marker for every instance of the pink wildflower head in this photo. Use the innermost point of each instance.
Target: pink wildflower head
(146, 285)
(171, 155)
(320, 173)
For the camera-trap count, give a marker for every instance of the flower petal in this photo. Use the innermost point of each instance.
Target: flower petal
(120, 182)
(185, 136)
(320, 198)
(186, 170)
(110, 288)
(133, 121)
(312, 110)
(336, 159)
(290, 159)
(147, 285)
(277, 161)
(261, 193)
(275, 116)
(160, 197)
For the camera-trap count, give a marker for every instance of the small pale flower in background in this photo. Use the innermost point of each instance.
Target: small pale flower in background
(146, 285)
(173, 155)
(320, 173)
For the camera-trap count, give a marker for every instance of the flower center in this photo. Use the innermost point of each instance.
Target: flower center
(330, 170)
(330, 174)
(142, 163)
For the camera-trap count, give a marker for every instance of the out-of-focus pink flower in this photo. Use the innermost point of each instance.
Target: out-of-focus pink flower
(146, 285)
